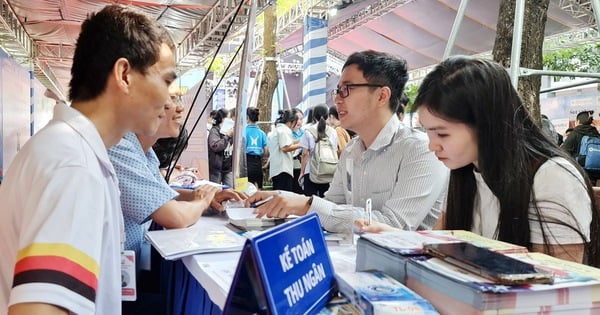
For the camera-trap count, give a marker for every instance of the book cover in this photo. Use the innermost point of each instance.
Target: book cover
(376, 293)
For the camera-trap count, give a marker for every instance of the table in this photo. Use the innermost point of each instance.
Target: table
(199, 284)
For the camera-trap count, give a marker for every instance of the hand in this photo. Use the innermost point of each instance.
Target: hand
(226, 194)
(374, 227)
(230, 132)
(280, 206)
(206, 192)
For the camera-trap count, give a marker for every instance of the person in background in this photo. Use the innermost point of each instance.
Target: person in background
(281, 145)
(62, 226)
(387, 162)
(402, 106)
(583, 127)
(308, 145)
(567, 132)
(549, 130)
(471, 113)
(220, 149)
(168, 149)
(210, 121)
(145, 195)
(343, 136)
(256, 147)
(297, 133)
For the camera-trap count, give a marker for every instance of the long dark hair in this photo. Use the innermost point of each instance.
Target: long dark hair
(320, 114)
(286, 116)
(511, 147)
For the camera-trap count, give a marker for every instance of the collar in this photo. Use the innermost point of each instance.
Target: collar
(86, 129)
(387, 133)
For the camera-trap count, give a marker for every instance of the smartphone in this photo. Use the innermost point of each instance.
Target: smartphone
(499, 268)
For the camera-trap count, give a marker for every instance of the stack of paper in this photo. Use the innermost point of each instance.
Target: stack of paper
(452, 290)
(176, 243)
(389, 251)
(375, 293)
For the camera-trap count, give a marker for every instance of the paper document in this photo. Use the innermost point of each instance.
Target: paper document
(176, 243)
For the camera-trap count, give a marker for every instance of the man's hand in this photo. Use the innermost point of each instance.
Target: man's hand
(374, 227)
(226, 194)
(278, 205)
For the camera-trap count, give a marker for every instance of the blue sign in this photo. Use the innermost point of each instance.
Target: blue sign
(285, 270)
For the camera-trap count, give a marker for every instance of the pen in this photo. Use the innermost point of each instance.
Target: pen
(368, 208)
(258, 203)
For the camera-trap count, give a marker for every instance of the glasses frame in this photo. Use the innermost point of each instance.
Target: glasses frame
(340, 89)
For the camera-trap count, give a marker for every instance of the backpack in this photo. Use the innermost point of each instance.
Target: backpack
(323, 161)
(589, 153)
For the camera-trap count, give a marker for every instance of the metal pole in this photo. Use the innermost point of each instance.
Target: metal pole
(515, 54)
(242, 102)
(596, 8)
(566, 86)
(457, 21)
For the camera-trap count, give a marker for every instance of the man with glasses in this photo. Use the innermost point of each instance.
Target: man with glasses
(388, 163)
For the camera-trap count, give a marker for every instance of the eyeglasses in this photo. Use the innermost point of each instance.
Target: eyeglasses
(344, 90)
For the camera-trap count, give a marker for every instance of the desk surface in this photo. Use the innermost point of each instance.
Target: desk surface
(214, 271)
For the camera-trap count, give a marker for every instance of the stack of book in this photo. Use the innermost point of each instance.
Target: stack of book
(454, 290)
(390, 251)
(374, 293)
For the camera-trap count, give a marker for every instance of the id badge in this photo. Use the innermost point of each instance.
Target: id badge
(128, 286)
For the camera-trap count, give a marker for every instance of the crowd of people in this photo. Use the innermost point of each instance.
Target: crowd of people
(80, 191)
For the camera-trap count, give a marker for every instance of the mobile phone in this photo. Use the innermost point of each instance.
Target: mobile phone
(499, 268)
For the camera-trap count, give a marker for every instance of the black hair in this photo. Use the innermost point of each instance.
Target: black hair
(333, 112)
(511, 147)
(253, 113)
(321, 113)
(168, 149)
(286, 116)
(220, 115)
(585, 117)
(382, 69)
(114, 32)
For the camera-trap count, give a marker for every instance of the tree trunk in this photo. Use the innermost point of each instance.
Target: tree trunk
(269, 79)
(534, 23)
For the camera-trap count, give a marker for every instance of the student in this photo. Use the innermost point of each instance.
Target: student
(62, 229)
(509, 181)
(308, 145)
(256, 147)
(402, 106)
(281, 145)
(220, 150)
(388, 162)
(342, 134)
(297, 133)
(583, 127)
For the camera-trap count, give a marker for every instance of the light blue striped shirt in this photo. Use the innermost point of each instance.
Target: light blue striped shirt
(405, 181)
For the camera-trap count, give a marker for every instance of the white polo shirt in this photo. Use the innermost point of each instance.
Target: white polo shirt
(62, 227)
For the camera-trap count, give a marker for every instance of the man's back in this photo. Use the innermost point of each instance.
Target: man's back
(61, 247)
(573, 141)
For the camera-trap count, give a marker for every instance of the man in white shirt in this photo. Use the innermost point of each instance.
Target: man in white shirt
(388, 162)
(61, 232)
